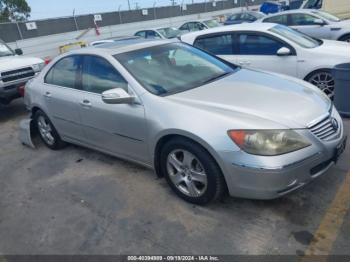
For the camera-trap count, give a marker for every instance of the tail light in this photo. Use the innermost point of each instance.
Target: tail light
(47, 60)
(21, 90)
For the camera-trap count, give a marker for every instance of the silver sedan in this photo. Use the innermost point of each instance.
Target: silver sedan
(205, 125)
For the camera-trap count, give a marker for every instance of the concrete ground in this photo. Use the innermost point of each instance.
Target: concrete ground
(77, 201)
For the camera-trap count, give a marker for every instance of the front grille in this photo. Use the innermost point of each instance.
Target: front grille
(325, 129)
(10, 87)
(18, 74)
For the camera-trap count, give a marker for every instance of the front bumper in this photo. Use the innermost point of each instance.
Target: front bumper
(10, 91)
(259, 177)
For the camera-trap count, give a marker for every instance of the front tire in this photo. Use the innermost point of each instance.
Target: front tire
(191, 172)
(47, 131)
(324, 80)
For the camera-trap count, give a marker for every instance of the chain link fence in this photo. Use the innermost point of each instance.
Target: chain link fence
(11, 32)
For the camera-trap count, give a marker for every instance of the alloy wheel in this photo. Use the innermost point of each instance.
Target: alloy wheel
(45, 130)
(186, 172)
(325, 82)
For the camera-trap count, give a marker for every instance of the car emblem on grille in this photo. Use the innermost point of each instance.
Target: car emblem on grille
(335, 124)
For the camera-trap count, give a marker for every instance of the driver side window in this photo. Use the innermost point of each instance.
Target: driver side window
(99, 76)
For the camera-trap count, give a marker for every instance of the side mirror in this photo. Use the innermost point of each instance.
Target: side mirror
(117, 96)
(284, 51)
(319, 22)
(18, 51)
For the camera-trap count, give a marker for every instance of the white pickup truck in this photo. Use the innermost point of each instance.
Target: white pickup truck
(15, 71)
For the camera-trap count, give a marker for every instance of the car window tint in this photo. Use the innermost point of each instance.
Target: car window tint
(218, 45)
(174, 67)
(279, 19)
(141, 34)
(194, 26)
(313, 4)
(184, 27)
(63, 73)
(250, 44)
(248, 17)
(200, 26)
(152, 34)
(302, 19)
(235, 17)
(99, 76)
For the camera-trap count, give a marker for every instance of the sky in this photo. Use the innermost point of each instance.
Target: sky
(50, 8)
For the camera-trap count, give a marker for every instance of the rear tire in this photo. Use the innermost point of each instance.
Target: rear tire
(345, 38)
(191, 172)
(47, 131)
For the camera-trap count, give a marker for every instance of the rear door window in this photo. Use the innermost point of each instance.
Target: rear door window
(218, 44)
(64, 72)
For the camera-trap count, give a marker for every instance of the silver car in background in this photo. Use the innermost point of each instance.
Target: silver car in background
(206, 125)
(314, 23)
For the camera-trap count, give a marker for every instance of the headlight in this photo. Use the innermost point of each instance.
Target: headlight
(268, 142)
(38, 67)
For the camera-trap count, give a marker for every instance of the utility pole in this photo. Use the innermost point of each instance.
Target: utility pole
(129, 5)
(75, 20)
(120, 15)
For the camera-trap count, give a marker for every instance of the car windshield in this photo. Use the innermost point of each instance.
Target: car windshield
(169, 32)
(211, 23)
(258, 15)
(173, 68)
(327, 16)
(5, 50)
(313, 4)
(294, 36)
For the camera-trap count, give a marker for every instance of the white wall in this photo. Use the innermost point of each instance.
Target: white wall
(48, 46)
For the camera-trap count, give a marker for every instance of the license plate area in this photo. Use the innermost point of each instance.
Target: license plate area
(340, 149)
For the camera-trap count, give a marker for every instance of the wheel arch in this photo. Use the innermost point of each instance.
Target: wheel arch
(165, 137)
(315, 71)
(344, 35)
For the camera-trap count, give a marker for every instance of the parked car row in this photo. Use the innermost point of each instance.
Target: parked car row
(275, 48)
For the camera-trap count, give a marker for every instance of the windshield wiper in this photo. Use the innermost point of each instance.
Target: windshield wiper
(215, 78)
(6, 55)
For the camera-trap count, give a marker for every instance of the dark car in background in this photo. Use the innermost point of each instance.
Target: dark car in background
(244, 17)
(272, 7)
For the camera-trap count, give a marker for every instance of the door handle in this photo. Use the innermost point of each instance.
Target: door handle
(47, 95)
(86, 103)
(244, 63)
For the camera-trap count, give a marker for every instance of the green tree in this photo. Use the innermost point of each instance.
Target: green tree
(14, 10)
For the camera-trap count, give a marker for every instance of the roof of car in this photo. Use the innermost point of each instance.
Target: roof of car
(155, 28)
(240, 27)
(247, 11)
(294, 11)
(122, 46)
(199, 20)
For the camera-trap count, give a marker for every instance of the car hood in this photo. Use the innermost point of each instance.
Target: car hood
(14, 62)
(345, 23)
(333, 48)
(289, 102)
